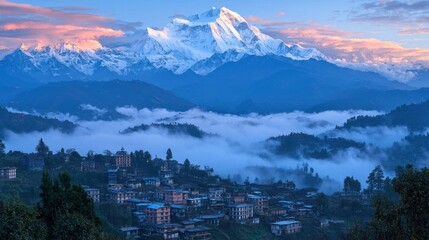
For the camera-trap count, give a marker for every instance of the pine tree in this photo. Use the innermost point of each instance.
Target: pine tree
(2, 149)
(169, 154)
(42, 149)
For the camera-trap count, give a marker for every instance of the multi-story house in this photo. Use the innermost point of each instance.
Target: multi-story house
(285, 227)
(93, 193)
(196, 233)
(122, 158)
(8, 172)
(152, 181)
(175, 196)
(34, 162)
(157, 213)
(260, 203)
(241, 212)
(121, 196)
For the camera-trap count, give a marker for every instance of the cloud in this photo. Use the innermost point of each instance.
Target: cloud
(25, 23)
(281, 14)
(411, 15)
(348, 48)
(236, 146)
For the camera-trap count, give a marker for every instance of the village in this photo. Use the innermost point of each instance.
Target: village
(172, 200)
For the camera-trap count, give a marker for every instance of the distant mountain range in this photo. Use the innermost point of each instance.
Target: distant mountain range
(215, 60)
(96, 100)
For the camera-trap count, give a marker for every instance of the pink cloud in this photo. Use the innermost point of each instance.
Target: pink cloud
(50, 26)
(281, 14)
(341, 45)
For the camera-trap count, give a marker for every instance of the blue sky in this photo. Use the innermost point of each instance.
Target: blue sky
(346, 30)
(338, 14)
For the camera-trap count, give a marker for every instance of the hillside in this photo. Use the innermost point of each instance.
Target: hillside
(97, 100)
(171, 128)
(298, 145)
(413, 116)
(24, 123)
(271, 84)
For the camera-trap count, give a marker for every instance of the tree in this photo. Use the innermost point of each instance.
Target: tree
(42, 149)
(413, 188)
(19, 221)
(67, 210)
(409, 217)
(169, 154)
(2, 149)
(379, 178)
(375, 181)
(351, 185)
(187, 166)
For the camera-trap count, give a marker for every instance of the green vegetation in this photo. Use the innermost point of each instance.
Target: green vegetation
(415, 147)
(414, 116)
(24, 123)
(309, 146)
(64, 212)
(406, 218)
(171, 128)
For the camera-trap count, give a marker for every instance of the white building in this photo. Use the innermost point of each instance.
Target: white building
(285, 227)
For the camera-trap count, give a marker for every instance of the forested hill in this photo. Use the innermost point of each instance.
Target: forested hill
(171, 128)
(309, 146)
(24, 123)
(413, 116)
(97, 100)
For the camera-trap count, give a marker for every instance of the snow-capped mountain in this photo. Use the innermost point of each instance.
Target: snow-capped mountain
(200, 43)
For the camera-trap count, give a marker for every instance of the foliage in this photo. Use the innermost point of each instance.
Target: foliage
(375, 181)
(67, 210)
(413, 116)
(309, 146)
(351, 185)
(169, 154)
(171, 128)
(414, 147)
(19, 221)
(406, 219)
(25, 123)
(42, 149)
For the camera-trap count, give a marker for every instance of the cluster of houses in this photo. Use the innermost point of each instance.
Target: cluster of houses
(171, 205)
(169, 210)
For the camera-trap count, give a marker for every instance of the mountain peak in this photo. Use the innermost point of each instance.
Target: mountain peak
(214, 13)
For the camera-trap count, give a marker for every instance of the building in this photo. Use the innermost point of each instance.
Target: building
(178, 210)
(8, 172)
(34, 163)
(93, 193)
(130, 232)
(122, 158)
(120, 197)
(196, 233)
(166, 177)
(175, 196)
(157, 213)
(285, 227)
(260, 203)
(152, 181)
(216, 194)
(168, 231)
(112, 176)
(241, 212)
(212, 219)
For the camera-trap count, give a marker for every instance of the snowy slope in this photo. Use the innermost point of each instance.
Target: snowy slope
(201, 42)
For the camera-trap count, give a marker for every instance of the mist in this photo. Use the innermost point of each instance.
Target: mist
(236, 143)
